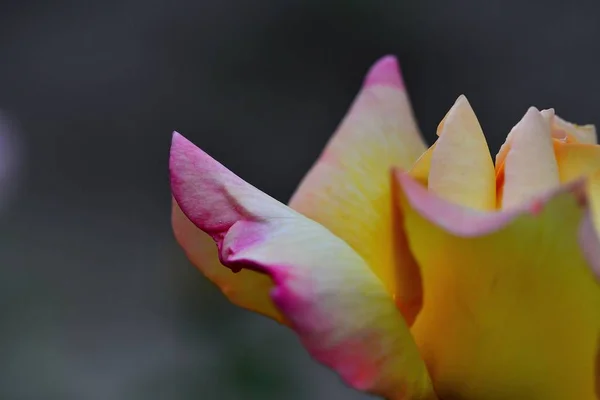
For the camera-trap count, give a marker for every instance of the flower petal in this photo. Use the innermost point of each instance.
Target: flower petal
(576, 160)
(348, 190)
(340, 309)
(511, 307)
(530, 167)
(246, 288)
(569, 132)
(421, 167)
(462, 170)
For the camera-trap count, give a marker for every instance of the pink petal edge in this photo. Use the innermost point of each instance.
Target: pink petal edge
(464, 222)
(254, 231)
(386, 71)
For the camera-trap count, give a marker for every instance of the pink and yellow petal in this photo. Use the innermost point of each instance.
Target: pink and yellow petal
(246, 288)
(348, 190)
(325, 290)
(511, 309)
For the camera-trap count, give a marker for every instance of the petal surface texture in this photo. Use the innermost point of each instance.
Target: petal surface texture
(328, 294)
(461, 168)
(348, 190)
(511, 309)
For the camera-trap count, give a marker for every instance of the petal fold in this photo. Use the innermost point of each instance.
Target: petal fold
(510, 301)
(325, 290)
(246, 288)
(348, 190)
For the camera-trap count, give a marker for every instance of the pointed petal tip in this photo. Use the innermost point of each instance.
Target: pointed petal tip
(461, 99)
(178, 140)
(386, 71)
(461, 104)
(535, 121)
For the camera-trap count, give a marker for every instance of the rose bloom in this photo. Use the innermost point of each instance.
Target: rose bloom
(415, 272)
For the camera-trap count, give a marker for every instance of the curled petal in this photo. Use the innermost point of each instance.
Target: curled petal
(348, 190)
(246, 288)
(339, 308)
(511, 303)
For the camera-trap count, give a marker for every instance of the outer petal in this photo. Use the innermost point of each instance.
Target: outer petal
(578, 160)
(461, 168)
(339, 308)
(511, 309)
(348, 190)
(246, 288)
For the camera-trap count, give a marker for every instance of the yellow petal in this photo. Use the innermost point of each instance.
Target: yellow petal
(348, 190)
(421, 167)
(530, 168)
(339, 308)
(511, 309)
(576, 160)
(462, 170)
(591, 230)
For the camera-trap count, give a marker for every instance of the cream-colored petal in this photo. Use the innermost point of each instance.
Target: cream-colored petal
(462, 170)
(530, 168)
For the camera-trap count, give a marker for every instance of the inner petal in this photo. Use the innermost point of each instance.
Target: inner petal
(461, 168)
(530, 168)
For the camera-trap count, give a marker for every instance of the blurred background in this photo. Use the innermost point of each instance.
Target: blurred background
(97, 301)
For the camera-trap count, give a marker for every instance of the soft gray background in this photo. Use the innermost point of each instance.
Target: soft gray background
(97, 301)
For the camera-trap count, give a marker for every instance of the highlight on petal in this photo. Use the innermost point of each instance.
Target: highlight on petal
(494, 283)
(530, 168)
(348, 190)
(461, 169)
(325, 290)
